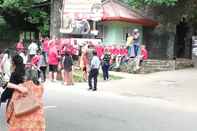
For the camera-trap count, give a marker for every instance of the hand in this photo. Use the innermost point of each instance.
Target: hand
(3, 83)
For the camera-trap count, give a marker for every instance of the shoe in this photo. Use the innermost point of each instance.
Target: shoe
(94, 89)
(90, 89)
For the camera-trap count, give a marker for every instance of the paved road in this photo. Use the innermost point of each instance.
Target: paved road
(95, 111)
(76, 109)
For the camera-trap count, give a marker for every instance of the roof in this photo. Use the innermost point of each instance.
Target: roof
(116, 11)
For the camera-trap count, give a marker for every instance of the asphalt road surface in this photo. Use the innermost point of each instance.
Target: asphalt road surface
(76, 109)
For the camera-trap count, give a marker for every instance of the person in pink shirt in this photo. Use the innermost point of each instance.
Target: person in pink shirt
(53, 62)
(144, 54)
(20, 46)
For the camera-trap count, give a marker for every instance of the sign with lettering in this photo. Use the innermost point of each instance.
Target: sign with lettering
(76, 13)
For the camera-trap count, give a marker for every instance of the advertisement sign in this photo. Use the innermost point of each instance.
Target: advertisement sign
(76, 13)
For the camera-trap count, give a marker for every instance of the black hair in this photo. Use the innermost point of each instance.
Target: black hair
(32, 75)
(19, 71)
(94, 53)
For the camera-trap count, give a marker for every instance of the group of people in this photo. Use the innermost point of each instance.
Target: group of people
(49, 55)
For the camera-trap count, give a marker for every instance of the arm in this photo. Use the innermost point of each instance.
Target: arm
(19, 88)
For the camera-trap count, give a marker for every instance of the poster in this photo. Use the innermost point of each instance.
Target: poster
(76, 13)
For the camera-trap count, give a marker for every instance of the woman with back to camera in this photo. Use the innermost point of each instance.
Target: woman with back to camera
(35, 120)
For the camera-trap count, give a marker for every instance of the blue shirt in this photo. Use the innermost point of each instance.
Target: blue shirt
(95, 63)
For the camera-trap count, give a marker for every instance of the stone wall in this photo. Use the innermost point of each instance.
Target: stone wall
(161, 40)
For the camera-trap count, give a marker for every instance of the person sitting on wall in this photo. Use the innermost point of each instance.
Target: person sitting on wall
(144, 54)
(129, 44)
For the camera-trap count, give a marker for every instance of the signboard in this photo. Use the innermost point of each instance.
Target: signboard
(76, 13)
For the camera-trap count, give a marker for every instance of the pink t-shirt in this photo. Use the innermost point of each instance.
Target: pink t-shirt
(144, 53)
(53, 56)
(35, 60)
(20, 46)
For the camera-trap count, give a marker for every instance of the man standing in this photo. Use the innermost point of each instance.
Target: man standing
(136, 41)
(94, 71)
(106, 64)
(32, 48)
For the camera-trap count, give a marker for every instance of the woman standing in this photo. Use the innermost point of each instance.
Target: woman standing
(33, 121)
(42, 64)
(84, 64)
(68, 63)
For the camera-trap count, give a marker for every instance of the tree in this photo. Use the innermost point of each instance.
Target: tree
(140, 3)
(22, 14)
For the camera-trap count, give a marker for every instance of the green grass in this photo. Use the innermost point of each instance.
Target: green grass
(78, 76)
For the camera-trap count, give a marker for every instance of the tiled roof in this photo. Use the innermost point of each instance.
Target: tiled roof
(116, 11)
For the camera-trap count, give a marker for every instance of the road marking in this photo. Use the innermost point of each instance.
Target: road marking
(50, 107)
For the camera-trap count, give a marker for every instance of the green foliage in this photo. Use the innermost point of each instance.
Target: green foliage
(25, 7)
(138, 3)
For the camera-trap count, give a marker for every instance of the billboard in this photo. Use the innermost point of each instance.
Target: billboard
(76, 13)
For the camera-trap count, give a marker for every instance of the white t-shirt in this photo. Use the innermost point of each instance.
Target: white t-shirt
(25, 58)
(33, 47)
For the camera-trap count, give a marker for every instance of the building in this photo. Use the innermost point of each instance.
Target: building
(119, 20)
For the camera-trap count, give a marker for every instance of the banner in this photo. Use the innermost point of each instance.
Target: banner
(76, 13)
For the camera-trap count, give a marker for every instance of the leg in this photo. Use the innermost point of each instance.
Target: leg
(55, 76)
(71, 78)
(90, 80)
(51, 76)
(104, 72)
(62, 74)
(95, 78)
(107, 71)
(65, 77)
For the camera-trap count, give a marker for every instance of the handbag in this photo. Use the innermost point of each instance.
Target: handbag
(26, 104)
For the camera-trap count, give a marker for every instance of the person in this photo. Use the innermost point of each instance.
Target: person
(45, 46)
(32, 48)
(106, 64)
(24, 55)
(94, 71)
(6, 64)
(144, 54)
(42, 64)
(17, 77)
(53, 61)
(20, 46)
(129, 44)
(136, 41)
(68, 63)
(84, 64)
(33, 121)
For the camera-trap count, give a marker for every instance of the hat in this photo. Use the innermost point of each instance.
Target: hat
(135, 30)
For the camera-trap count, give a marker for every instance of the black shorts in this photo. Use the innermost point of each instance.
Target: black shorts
(52, 68)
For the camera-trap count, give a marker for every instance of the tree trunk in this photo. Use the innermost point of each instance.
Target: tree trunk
(55, 23)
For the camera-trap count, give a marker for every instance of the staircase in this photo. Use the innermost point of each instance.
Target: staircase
(150, 66)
